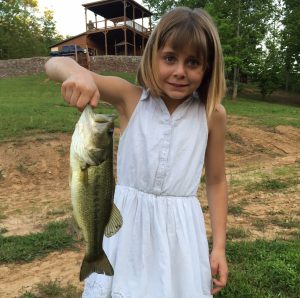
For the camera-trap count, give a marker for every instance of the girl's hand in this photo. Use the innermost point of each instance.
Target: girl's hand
(80, 89)
(219, 270)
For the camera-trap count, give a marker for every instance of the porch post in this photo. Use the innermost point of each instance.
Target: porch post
(125, 31)
(134, 44)
(105, 34)
(86, 26)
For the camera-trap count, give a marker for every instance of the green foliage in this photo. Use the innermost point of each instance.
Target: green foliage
(260, 39)
(49, 34)
(242, 26)
(160, 7)
(291, 44)
(268, 73)
(26, 248)
(22, 32)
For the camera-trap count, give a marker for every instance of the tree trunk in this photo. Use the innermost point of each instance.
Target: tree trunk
(287, 80)
(235, 82)
(236, 68)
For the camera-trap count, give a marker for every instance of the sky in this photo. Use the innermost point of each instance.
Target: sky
(68, 14)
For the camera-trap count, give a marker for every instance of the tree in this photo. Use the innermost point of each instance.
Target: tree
(161, 7)
(49, 33)
(290, 45)
(22, 30)
(269, 70)
(242, 26)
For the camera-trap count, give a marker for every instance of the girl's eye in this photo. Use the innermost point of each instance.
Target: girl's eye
(169, 59)
(193, 62)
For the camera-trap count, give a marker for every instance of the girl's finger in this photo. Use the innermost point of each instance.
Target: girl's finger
(82, 102)
(95, 99)
(223, 277)
(218, 286)
(74, 97)
(213, 267)
(64, 92)
(216, 290)
(67, 92)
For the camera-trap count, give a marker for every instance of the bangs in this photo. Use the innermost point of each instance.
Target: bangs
(187, 35)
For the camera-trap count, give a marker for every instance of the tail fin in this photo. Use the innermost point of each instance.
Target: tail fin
(100, 265)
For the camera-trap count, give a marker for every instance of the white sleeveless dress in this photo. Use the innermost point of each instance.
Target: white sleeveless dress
(161, 251)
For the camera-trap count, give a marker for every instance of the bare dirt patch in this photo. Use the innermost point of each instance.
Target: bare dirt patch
(34, 190)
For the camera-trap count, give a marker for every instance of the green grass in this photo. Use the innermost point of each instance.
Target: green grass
(54, 237)
(259, 224)
(234, 137)
(52, 289)
(131, 77)
(257, 269)
(262, 269)
(2, 215)
(264, 113)
(288, 170)
(270, 184)
(236, 233)
(2, 175)
(31, 104)
(235, 209)
(287, 223)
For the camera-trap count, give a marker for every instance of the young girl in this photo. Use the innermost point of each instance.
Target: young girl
(171, 125)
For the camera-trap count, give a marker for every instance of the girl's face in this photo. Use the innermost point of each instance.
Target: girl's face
(180, 73)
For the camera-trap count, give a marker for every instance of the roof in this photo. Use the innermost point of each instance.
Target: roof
(70, 38)
(110, 9)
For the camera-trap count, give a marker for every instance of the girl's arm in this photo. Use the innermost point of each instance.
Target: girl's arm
(216, 188)
(81, 87)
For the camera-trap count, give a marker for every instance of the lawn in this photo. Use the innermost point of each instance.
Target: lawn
(258, 269)
(32, 104)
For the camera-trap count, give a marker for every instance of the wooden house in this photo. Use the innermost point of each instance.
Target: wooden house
(119, 27)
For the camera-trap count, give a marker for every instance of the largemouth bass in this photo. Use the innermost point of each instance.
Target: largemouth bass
(92, 188)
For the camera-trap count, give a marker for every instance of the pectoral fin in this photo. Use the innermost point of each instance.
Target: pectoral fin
(115, 222)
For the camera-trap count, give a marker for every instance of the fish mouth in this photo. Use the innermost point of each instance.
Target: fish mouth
(100, 118)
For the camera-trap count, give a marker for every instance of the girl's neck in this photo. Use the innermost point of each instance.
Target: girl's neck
(172, 104)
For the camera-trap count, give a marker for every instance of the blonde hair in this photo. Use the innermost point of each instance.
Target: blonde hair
(193, 28)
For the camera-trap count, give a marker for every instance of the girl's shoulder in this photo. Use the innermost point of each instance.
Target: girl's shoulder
(217, 119)
(130, 101)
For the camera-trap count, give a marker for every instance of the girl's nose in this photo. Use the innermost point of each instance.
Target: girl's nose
(180, 70)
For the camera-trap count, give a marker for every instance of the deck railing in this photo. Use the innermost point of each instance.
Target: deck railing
(115, 23)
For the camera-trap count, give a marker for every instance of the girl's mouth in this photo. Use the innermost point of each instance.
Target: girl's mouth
(178, 85)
